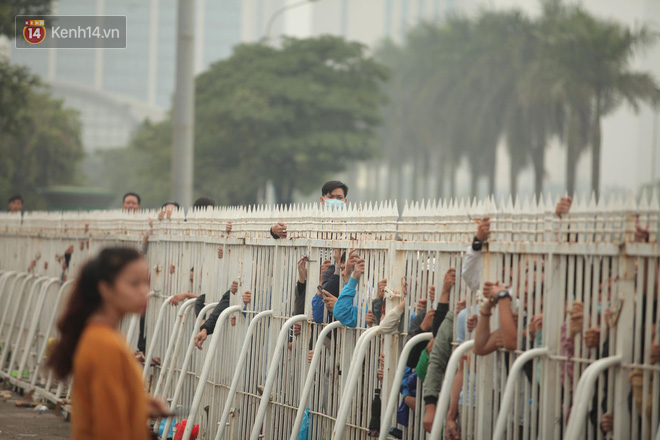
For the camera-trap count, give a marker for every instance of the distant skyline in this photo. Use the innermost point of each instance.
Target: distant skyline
(116, 90)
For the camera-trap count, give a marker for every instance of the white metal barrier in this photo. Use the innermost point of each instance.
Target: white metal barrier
(584, 274)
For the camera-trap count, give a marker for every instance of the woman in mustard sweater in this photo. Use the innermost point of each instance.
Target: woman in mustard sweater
(109, 401)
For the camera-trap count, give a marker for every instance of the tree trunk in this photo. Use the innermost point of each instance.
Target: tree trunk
(414, 180)
(374, 183)
(538, 161)
(426, 176)
(571, 161)
(595, 145)
(288, 194)
(513, 178)
(452, 179)
(283, 192)
(440, 177)
(491, 181)
(398, 185)
(278, 188)
(390, 181)
(474, 182)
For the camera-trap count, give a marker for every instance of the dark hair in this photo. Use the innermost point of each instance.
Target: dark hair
(332, 185)
(170, 203)
(131, 194)
(84, 300)
(203, 202)
(16, 197)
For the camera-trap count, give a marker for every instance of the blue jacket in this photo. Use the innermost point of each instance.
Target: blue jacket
(344, 311)
(329, 283)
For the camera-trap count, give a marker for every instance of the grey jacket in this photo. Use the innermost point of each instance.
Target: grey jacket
(439, 358)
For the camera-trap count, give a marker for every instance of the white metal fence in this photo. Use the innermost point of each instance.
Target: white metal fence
(578, 273)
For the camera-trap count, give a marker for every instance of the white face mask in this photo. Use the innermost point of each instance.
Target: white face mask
(334, 204)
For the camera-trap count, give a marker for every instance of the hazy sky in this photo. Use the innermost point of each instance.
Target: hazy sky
(627, 137)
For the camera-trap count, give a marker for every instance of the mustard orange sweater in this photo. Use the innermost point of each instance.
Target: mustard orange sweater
(109, 401)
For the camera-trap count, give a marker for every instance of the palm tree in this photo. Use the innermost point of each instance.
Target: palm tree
(587, 64)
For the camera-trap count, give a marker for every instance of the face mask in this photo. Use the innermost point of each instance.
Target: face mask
(334, 204)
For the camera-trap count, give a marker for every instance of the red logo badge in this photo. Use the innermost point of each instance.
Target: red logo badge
(34, 31)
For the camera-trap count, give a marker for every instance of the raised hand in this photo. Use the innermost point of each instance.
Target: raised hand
(483, 230)
(592, 337)
(302, 269)
(359, 268)
(247, 297)
(200, 338)
(382, 284)
(427, 322)
(279, 229)
(491, 289)
(563, 206)
(329, 300)
(449, 281)
(421, 305)
(472, 323)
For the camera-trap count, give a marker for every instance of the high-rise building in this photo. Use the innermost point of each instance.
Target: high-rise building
(115, 89)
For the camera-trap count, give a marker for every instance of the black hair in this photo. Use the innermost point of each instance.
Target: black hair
(169, 203)
(84, 301)
(203, 202)
(332, 185)
(131, 194)
(16, 197)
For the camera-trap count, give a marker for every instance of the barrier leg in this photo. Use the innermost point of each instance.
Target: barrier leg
(270, 378)
(205, 371)
(351, 381)
(239, 371)
(304, 394)
(445, 392)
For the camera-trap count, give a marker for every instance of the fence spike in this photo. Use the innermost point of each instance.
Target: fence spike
(654, 206)
(643, 201)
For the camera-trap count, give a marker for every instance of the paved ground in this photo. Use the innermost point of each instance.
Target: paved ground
(25, 423)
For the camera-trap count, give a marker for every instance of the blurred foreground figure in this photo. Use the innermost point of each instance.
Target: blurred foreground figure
(109, 401)
(16, 203)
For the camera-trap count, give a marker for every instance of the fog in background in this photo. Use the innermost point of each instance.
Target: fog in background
(117, 90)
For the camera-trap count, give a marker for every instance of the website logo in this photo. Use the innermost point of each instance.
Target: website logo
(34, 31)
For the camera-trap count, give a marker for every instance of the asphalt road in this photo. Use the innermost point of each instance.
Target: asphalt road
(26, 423)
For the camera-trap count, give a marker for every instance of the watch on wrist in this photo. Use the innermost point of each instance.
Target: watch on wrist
(476, 244)
(501, 295)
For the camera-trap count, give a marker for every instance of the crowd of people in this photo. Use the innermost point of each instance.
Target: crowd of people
(513, 298)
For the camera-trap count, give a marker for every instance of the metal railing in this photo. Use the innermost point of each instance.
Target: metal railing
(584, 275)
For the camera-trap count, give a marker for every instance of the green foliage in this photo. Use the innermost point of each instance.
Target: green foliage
(9, 9)
(461, 87)
(39, 139)
(293, 114)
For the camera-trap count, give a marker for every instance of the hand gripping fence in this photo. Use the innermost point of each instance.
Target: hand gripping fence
(600, 262)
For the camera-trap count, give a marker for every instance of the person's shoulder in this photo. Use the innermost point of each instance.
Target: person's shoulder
(100, 342)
